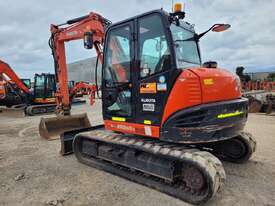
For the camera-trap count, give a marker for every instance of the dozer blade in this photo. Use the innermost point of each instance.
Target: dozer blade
(51, 128)
(67, 138)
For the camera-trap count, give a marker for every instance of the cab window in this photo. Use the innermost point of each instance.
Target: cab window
(117, 58)
(117, 72)
(154, 53)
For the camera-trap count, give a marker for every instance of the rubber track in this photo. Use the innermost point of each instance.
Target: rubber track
(206, 162)
(251, 141)
(36, 109)
(246, 138)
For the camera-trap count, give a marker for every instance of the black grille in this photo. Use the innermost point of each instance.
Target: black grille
(202, 122)
(192, 119)
(206, 114)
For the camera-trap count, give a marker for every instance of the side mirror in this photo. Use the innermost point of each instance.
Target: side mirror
(88, 40)
(220, 27)
(215, 28)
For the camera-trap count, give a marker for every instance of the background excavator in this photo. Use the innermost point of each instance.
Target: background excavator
(32, 100)
(260, 93)
(13, 89)
(19, 94)
(166, 117)
(84, 88)
(81, 88)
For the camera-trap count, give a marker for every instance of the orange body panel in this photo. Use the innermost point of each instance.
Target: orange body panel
(200, 86)
(186, 92)
(217, 85)
(132, 128)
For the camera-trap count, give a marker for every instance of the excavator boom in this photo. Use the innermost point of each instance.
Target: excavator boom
(5, 69)
(91, 26)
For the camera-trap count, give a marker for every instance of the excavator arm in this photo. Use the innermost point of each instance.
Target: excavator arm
(91, 26)
(5, 69)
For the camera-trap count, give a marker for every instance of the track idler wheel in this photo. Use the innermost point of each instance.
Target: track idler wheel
(238, 149)
(255, 106)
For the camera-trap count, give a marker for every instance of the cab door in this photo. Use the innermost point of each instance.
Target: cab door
(156, 68)
(117, 92)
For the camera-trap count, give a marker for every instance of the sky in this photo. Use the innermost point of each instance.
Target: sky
(25, 25)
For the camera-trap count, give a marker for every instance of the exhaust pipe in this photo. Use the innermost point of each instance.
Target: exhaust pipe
(51, 128)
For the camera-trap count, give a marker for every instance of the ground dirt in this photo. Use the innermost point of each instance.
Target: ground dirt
(32, 172)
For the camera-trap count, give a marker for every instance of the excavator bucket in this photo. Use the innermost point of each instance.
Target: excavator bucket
(51, 128)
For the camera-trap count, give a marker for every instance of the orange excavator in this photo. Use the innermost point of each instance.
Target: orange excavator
(168, 118)
(18, 93)
(12, 90)
(39, 99)
(84, 88)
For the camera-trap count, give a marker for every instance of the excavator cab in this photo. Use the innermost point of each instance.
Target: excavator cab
(131, 68)
(152, 74)
(44, 88)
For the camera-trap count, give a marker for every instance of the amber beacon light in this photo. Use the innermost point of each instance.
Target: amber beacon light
(177, 7)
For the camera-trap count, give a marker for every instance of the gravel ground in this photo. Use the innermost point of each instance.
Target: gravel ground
(32, 172)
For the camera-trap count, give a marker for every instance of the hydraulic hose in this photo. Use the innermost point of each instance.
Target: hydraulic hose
(96, 80)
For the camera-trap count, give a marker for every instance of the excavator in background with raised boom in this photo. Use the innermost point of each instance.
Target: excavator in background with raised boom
(18, 93)
(168, 118)
(25, 99)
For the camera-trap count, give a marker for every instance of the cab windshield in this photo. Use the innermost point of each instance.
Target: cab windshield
(186, 47)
